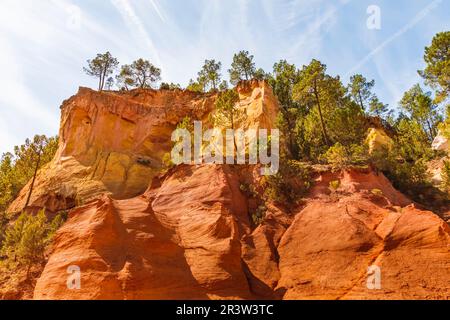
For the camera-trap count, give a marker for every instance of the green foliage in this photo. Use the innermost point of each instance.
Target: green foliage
(227, 107)
(290, 183)
(316, 111)
(282, 81)
(347, 124)
(361, 90)
(223, 86)
(420, 107)
(167, 161)
(377, 192)
(341, 157)
(16, 169)
(320, 91)
(377, 108)
(210, 75)
(261, 75)
(140, 74)
(101, 67)
(259, 215)
(3, 225)
(125, 78)
(334, 185)
(195, 86)
(25, 240)
(187, 123)
(242, 67)
(405, 163)
(445, 175)
(437, 71)
(170, 86)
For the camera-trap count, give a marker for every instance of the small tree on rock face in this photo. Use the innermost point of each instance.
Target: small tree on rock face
(195, 86)
(282, 81)
(37, 149)
(242, 68)
(101, 67)
(210, 74)
(228, 111)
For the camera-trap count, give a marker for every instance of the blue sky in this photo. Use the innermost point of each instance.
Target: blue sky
(44, 44)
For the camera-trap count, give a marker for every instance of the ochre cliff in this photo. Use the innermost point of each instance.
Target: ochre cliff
(135, 233)
(113, 142)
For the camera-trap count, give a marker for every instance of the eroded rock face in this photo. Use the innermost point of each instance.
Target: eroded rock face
(189, 237)
(179, 241)
(112, 143)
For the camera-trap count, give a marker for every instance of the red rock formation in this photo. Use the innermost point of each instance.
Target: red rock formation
(189, 237)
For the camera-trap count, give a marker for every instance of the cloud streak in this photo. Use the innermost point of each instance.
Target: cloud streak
(136, 27)
(157, 10)
(419, 17)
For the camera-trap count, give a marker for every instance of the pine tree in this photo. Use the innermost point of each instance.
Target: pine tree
(437, 71)
(26, 240)
(242, 67)
(420, 107)
(317, 88)
(101, 67)
(210, 74)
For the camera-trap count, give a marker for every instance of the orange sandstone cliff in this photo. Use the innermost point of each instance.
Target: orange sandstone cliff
(113, 142)
(137, 234)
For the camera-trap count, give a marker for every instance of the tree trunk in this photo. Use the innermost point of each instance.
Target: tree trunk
(432, 132)
(360, 101)
(38, 162)
(234, 137)
(322, 123)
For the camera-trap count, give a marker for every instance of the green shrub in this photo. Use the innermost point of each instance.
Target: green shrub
(445, 175)
(340, 157)
(408, 175)
(377, 192)
(290, 183)
(26, 240)
(167, 161)
(334, 185)
(259, 215)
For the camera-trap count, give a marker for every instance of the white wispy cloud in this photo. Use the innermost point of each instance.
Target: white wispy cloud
(157, 9)
(42, 53)
(419, 17)
(137, 27)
